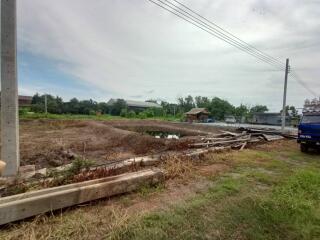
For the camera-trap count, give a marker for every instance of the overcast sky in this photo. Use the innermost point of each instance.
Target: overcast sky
(135, 50)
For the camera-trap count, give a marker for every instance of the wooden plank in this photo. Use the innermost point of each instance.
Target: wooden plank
(207, 150)
(29, 204)
(243, 146)
(225, 138)
(272, 137)
(231, 133)
(219, 143)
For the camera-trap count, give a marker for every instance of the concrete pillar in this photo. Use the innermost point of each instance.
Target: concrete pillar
(9, 89)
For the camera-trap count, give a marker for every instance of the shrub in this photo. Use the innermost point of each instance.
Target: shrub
(131, 114)
(23, 111)
(142, 115)
(123, 112)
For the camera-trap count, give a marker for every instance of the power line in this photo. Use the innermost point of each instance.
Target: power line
(302, 83)
(277, 60)
(208, 30)
(224, 35)
(234, 40)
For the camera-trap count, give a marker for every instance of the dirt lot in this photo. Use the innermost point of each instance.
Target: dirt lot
(46, 143)
(266, 192)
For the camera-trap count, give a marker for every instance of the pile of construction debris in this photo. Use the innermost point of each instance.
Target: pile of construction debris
(236, 140)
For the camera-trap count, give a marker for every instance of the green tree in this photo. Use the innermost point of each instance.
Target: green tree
(293, 111)
(117, 107)
(131, 114)
(169, 108)
(124, 112)
(73, 106)
(259, 109)
(186, 104)
(103, 107)
(219, 108)
(241, 111)
(202, 102)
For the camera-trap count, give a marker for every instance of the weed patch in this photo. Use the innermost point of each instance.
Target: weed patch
(186, 221)
(290, 211)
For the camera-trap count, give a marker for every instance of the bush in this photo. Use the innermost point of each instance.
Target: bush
(123, 112)
(92, 112)
(131, 114)
(142, 115)
(149, 113)
(23, 111)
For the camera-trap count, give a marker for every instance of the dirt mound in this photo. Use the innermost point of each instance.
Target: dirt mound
(51, 158)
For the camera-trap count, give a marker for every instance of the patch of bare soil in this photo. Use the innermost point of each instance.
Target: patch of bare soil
(44, 142)
(174, 192)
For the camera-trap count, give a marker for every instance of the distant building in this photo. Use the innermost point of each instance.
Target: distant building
(269, 118)
(197, 114)
(24, 101)
(136, 105)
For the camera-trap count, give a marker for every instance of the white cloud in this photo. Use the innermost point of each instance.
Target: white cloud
(131, 47)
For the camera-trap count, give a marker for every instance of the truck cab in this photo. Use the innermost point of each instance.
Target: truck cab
(309, 131)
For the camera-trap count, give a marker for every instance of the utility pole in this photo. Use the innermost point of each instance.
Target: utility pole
(9, 89)
(283, 122)
(46, 103)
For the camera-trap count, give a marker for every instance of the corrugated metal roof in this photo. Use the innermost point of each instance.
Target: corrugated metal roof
(132, 103)
(22, 98)
(138, 104)
(195, 111)
(28, 98)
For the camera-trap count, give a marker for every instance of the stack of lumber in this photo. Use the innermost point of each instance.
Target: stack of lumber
(234, 140)
(269, 131)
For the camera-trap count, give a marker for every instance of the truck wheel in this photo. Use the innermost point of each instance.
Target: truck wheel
(304, 147)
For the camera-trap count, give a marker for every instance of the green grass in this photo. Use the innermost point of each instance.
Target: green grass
(290, 211)
(147, 190)
(186, 221)
(233, 210)
(264, 198)
(103, 117)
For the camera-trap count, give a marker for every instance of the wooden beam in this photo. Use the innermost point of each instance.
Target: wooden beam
(219, 143)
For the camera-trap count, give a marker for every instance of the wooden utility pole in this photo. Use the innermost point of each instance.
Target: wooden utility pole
(9, 89)
(283, 122)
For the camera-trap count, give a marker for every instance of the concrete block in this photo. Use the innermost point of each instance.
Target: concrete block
(29, 204)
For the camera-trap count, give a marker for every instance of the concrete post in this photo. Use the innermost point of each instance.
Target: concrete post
(9, 89)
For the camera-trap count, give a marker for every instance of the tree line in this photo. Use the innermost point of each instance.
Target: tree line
(217, 107)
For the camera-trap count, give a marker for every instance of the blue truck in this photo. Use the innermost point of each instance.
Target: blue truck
(309, 131)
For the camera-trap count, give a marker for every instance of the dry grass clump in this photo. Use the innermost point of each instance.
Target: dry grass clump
(226, 158)
(82, 223)
(177, 166)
